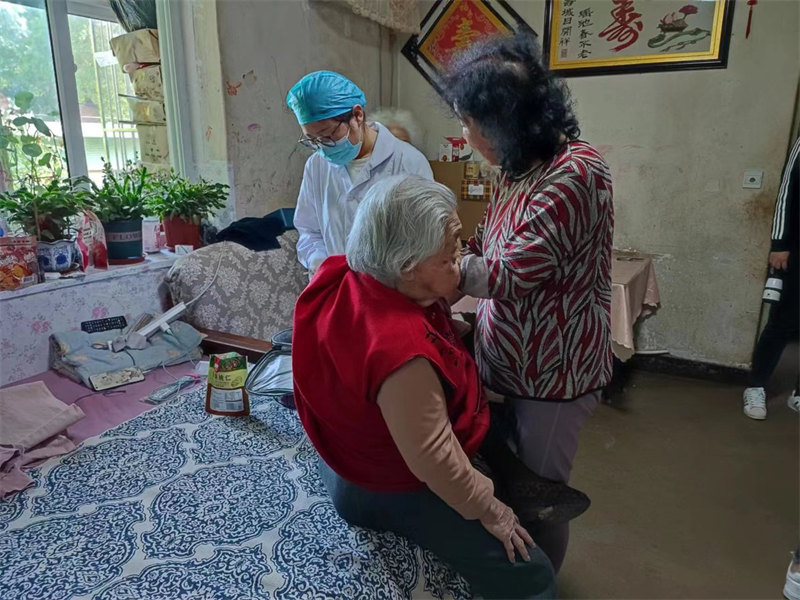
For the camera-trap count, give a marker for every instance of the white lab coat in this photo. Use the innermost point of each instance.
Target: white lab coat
(328, 199)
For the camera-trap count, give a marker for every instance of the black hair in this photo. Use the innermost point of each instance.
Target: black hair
(518, 104)
(344, 117)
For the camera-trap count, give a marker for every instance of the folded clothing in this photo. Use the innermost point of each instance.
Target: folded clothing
(31, 419)
(73, 355)
(255, 233)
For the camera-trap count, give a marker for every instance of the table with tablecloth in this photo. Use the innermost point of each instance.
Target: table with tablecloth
(634, 294)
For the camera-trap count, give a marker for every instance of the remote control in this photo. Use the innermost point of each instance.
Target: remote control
(166, 392)
(99, 325)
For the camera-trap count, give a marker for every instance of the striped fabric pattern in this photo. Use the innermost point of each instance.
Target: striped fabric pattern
(546, 240)
(779, 220)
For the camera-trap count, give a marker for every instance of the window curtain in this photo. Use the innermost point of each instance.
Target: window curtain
(135, 14)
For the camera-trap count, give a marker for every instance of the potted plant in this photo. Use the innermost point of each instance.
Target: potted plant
(182, 205)
(47, 212)
(120, 204)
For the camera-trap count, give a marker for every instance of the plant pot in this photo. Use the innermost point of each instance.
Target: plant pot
(124, 241)
(55, 257)
(180, 231)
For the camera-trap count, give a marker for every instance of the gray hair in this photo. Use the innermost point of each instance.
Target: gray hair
(400, 223)
(402, 118)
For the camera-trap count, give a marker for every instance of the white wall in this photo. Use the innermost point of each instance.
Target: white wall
(204, 98)
(265, 47)
(678, 144)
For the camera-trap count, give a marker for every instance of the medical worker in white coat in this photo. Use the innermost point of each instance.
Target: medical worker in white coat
(351, 156)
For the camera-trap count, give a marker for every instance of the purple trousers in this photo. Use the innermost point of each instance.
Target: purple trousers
(545, 437)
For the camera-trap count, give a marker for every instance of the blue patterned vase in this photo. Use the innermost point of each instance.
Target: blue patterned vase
(55, 257)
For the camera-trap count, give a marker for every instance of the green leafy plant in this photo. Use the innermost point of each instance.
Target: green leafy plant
(124, 194)
(178, 197)
(30, 154)
(45, 211)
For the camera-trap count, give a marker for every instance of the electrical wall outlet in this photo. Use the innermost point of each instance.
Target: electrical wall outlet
(753, 178)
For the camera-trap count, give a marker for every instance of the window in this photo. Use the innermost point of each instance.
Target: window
(57, 55)
(26, 65)
(105, 117)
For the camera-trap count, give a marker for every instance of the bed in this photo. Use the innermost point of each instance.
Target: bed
(177, 503)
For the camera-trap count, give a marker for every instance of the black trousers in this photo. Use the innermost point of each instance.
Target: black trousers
(782, 327)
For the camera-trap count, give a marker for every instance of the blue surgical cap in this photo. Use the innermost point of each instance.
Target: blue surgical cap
(322, 95)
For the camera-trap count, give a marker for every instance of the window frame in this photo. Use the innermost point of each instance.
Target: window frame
(173, 61)
(58, 13)
(66, 86)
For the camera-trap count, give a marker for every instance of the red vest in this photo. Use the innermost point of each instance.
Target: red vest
(351, 333)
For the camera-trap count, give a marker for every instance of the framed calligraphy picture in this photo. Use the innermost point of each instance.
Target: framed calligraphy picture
(603, 37)
(452, 25)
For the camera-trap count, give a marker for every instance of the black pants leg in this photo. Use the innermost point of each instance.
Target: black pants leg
(781, 328)
(426, 520)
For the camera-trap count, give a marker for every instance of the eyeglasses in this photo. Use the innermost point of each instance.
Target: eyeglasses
(326, 140)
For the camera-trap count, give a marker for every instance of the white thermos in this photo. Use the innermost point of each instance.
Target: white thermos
(773, 287)
(151, 241)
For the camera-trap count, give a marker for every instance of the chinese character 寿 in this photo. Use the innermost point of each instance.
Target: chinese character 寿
(625, 27)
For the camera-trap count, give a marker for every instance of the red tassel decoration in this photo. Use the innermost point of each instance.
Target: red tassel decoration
(751, 4)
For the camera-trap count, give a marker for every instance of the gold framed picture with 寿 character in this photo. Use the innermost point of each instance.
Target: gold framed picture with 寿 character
(604, 37)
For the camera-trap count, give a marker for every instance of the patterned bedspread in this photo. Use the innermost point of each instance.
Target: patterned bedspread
(179, 504)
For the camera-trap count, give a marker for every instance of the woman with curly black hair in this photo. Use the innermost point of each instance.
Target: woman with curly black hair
(541, 259)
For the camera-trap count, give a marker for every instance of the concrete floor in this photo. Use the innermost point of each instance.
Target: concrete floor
(690, 499)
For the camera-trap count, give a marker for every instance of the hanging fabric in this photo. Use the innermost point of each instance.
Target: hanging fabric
(398, 15)
(135, 14)
(751, 4)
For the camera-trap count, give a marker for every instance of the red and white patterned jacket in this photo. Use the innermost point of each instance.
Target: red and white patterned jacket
(541, 258)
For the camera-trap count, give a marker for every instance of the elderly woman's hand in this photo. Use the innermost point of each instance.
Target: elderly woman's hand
(503, 524)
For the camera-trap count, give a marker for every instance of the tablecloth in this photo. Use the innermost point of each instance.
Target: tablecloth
(634, 293)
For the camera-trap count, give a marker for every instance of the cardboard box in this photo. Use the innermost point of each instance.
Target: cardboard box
(471, 213)
(470, 209)
(147, 83)
(145, 111)
(139, 46)
(476, 189)
(153, 143)
(450, 174)
(161, 168)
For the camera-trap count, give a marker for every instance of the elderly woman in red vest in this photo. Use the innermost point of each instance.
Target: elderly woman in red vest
(392, 400)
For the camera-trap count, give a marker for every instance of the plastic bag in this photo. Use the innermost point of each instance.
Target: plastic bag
(225, 393)
(272, 375)
(91, 241)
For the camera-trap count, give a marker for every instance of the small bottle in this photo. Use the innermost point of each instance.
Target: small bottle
(773, 287)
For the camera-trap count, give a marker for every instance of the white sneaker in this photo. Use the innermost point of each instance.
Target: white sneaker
(794, 401)
(792, 588)
(755, 403)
